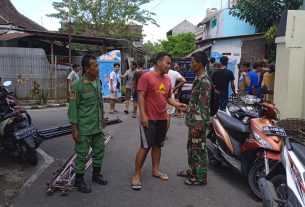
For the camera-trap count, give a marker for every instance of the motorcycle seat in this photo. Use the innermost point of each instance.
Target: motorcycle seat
(298, 150)
(233, 125)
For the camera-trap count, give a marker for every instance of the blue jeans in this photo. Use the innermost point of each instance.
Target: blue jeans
(223, 103)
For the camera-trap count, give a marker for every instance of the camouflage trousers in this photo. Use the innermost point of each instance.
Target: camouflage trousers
(197, 154)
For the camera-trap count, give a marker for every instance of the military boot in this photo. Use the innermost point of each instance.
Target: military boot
(80, 183)
(98, 177)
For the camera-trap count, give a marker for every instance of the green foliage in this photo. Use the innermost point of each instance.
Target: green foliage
(152, 48)
(123, 90)
(263, 13)
(43, 96)
(180, 45)
(109, 18)
(270, 35)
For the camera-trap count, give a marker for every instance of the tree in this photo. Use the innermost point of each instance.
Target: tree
(180, 45)
(108, 18)
(153, 48)
(263, 13)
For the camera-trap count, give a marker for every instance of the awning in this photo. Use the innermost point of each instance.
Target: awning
(199, 49)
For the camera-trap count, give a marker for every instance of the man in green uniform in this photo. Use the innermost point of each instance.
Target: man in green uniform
(197, 119)
(86, 114)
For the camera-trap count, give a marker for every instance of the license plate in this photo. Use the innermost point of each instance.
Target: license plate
(277, 131)
(25, 132)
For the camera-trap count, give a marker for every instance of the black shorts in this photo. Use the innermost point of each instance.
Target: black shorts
(154, 134)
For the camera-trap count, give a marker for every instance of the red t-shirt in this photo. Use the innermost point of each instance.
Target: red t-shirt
(157, 91)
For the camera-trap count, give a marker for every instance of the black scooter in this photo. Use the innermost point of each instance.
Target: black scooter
(18, 137)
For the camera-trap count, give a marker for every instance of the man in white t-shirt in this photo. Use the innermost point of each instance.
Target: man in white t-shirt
(113, 86)
(174, 77)
(73, 77)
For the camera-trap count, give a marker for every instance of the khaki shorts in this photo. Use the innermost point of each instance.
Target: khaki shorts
(114, 95)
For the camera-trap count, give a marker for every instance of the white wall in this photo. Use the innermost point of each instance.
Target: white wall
(289, 84)
(232, 46)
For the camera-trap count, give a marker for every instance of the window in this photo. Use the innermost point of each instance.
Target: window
(213, 23)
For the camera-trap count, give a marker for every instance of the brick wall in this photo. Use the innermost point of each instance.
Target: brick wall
(253, 49)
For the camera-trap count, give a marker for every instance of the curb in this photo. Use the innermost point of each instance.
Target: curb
(46, 106)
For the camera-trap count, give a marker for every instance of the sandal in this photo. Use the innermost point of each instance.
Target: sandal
(134, 116)
(195, 182)
(185, 173)
(136, 186)
(161, 176)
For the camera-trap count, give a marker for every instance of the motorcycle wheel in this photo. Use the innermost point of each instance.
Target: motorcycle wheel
(32, 157)
(256, 172)
(280, 185)
(212, 160)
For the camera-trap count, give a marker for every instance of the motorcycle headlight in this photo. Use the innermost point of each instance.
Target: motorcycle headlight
(262, 141)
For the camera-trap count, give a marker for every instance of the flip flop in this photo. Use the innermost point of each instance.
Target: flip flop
(195, 182)
(136, 186)
(185, 173)
(111, 112)
(161, 176)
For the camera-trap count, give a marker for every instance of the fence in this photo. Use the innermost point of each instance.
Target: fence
(26, 66)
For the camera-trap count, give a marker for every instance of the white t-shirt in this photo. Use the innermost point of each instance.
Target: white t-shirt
(73, 76)
(174, 77)
(113, 77)
(152, 69)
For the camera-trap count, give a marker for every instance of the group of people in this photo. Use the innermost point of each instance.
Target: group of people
(154, 93)
(250, 80)
(253, 79)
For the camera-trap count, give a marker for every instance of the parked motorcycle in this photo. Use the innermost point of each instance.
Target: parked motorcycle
(17, 136)
(291, 191)
(250, 145)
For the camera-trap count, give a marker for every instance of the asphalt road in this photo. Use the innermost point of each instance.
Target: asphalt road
(224, 188)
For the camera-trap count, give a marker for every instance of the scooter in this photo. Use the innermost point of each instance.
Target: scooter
(18, 138)
(251, 147)
(291, 191)
(12, 103)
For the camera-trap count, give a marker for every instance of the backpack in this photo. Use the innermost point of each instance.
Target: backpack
(214, 100)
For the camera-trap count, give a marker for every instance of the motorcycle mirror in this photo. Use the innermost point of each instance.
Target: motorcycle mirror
(7, 83)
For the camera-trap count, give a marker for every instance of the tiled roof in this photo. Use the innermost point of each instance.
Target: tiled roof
(15, 35)
(10, 15)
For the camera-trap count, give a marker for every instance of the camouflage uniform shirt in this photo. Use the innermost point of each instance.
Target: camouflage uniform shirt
(198, 111)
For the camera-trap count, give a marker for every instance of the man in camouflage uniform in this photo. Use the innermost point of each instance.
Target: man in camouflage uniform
(86, 114)
(197, 119)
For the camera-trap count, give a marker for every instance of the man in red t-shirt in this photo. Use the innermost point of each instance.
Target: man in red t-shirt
(154, 90)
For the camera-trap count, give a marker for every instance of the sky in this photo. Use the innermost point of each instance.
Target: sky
(169, 13)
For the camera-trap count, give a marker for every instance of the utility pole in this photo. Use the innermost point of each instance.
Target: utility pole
(69, 31)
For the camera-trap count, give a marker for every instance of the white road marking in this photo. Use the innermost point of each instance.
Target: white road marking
(47, 162)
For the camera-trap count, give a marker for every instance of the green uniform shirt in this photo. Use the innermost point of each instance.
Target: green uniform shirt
(86, 108)
(198, 112)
